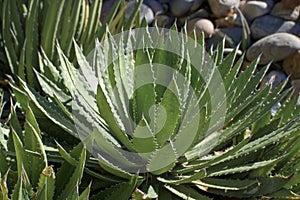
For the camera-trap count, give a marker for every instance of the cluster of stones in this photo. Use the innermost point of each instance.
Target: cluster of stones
(273, 28)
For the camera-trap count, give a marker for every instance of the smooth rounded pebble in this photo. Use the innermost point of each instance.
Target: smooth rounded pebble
(180, 7)
(290, 3)
(280, 10)
(275, 47)
(201, 25)
(254, 9)
(267, 25)
(232, 35)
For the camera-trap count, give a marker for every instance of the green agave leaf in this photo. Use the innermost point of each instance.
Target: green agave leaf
(225, 184)
(250, 86)
(63, 107)
(73, 194)
(31, 35)
(75, 179)
(226, 65)
(46, 185)
(86, 193)
(74, 163)
(104, 106)
(248, 188)
(33, 143)
(20, 95)
(135, 11)
(288, 110)
(212, 160)
(168, 116)
(231, 72)
(184, 179)
(3, 162)
(14, 122)
(185, 192)
(50, 28)
(16, 20)
(162, 160)
(109, 18)
(67, 72)
(263, 142)
(240, 169)
(49, 70)
(19, 148)
(21, 67)
(219, 53)
(51, 88)
(82, 20)
(9, 48)
(283, 194)
(66, 171)
(290, 165)
(20, 190)
(110, 155)
(49, 109)
(240, 83)
(121, 191)
(143, 139)
(143, 83)
(71, 16)
(92, 25)
(119, 75)
(109, 167)
(23, 187)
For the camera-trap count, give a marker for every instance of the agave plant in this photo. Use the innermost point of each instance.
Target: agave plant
(30, 29)
(164, 120)
(25, 172)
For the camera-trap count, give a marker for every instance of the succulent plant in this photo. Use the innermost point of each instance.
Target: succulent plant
(165, 120)
(31, 28)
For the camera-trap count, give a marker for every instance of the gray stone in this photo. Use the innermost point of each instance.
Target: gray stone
(233, 37)
(156, 7)
(235, 34)
(275, 47)
(180, 7)
(280, 10)
(267, 25)
(290, 3)
(254, 9)
(145, 12)
(291, 65)
(200, 25)
(273, 78)
(220, 8)
(106, 7)
(201, 13)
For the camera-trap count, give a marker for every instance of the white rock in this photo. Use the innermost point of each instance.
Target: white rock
(254, 9)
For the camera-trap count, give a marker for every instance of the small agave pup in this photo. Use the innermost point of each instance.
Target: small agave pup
(168, 121)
